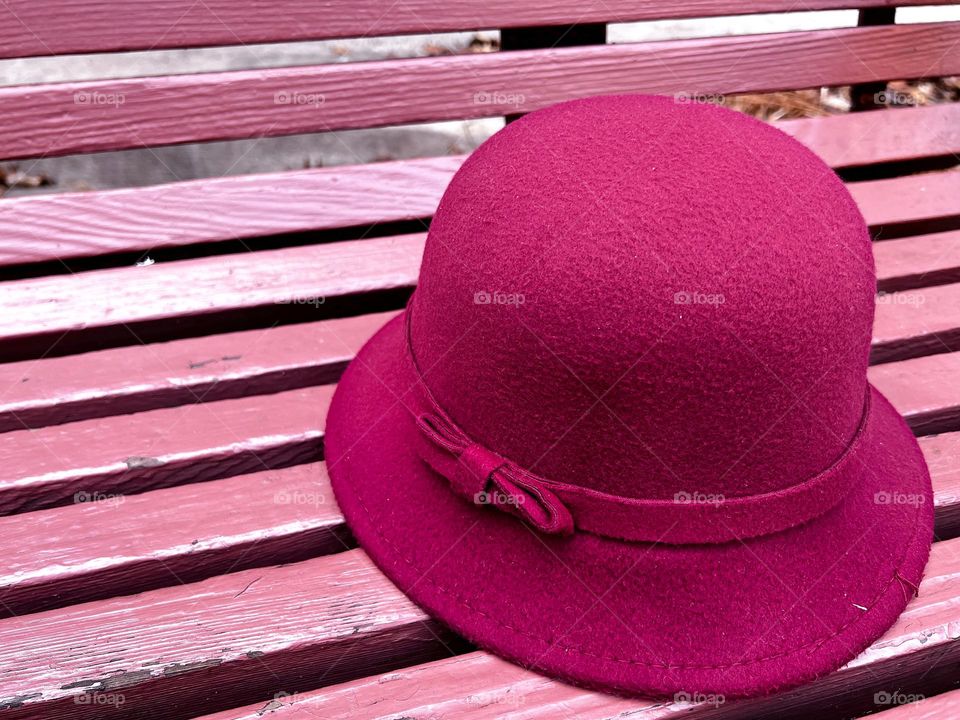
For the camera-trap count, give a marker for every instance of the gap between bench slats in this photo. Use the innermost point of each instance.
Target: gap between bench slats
(44, 228)
(241, 104)
(239, 638)
(69, 554)
(58, 27)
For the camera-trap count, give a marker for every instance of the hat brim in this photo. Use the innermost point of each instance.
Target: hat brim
(734, 619)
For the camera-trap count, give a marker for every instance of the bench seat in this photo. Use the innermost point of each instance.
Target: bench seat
(173, 547)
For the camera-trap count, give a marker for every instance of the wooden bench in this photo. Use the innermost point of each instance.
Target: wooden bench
(173, 549)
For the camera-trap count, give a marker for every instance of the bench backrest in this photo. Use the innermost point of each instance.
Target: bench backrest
(63, 118)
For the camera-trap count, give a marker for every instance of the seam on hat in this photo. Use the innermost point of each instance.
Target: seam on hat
(571, 650)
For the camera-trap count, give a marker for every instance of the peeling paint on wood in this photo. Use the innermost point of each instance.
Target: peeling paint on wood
(287, 629)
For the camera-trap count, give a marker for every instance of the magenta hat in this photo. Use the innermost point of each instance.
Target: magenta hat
(623, 432)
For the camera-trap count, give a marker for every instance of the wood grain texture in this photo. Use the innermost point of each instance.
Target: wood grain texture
(45, 308)
(92, 550)
(916, 322)
(493, 688)
(913, 262)
(214, 367)
(928, 196)
(62, 118)
(478, 685)
(864, 138)
(66, 225)
(73, 26)
(175, 652)
(925, 390)
(127, 454)
(942, 454)
(474, 686)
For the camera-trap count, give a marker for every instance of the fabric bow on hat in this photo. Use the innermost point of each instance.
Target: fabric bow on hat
(486, 478)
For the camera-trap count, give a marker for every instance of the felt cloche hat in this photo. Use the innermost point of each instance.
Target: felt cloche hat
(623, 432)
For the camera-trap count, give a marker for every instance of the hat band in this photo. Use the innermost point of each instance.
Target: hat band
(485, 477)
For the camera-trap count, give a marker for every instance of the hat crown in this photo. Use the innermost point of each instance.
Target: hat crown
(650, 299)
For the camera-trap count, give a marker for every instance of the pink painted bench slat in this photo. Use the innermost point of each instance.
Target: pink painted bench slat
(177, 372)
(191, 532)
(36, 229)
(80, 26)
(173, 547)
(188, 443)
